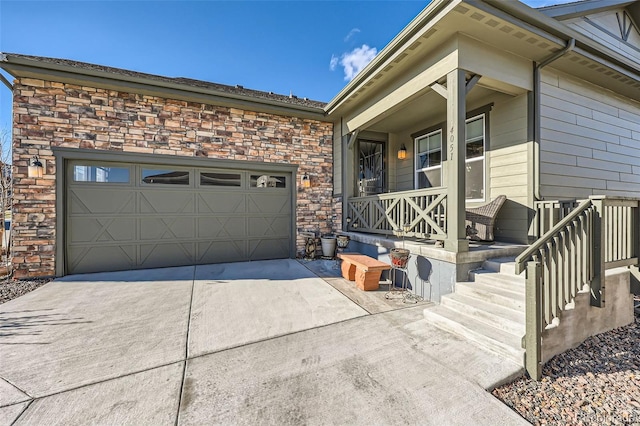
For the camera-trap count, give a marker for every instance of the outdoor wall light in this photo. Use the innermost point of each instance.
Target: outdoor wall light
(36, 169)
(305, 181)
(402, 152)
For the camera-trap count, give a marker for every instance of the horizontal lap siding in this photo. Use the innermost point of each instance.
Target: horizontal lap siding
(590, 140)
(509, 168)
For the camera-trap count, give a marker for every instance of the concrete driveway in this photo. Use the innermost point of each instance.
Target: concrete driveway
(245, 343)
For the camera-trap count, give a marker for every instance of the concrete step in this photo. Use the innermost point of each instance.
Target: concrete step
(499, 280)
(498, 316)
(504, 265)
(499, 296)
(498, 341)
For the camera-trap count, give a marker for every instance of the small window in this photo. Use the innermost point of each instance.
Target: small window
(220, 179)
(83, 173)
(429, 160)
(268, 181)
(165, 177)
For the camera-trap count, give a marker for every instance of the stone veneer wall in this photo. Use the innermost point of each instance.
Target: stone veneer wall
(50, 114)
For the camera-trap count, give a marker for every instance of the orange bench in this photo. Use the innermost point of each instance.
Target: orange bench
(364, 270)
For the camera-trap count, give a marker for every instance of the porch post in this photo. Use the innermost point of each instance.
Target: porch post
(455, 174)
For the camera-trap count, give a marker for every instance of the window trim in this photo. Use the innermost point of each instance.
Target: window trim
(416, 172)
(483, 157)
(474, 115)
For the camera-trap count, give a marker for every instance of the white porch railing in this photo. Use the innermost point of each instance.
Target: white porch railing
(423, 211)
(599, 234)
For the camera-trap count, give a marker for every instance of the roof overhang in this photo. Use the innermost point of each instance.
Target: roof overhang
(28, 67)
(507, 26)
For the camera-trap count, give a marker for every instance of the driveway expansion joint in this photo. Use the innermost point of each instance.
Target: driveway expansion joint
(186, 347)
(17, 388)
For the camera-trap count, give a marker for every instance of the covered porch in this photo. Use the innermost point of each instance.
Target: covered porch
(446, 132)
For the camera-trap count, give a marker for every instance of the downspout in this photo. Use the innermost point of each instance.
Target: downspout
(536, 113)
(343, 174)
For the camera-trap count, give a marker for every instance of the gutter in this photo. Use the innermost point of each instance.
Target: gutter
(536, 112)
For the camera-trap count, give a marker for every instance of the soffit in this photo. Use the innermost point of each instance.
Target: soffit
(537, 46)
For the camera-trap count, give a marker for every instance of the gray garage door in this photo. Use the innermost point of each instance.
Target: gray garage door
(130, 216)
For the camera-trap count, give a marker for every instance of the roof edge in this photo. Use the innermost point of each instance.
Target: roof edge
(16, 65)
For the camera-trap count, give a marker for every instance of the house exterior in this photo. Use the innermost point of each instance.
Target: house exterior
(485, 98)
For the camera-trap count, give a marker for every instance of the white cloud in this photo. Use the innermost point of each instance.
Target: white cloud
(334, 62)
(354, 61)
(351, 34)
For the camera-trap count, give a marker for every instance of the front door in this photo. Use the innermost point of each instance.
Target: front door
(371, 168)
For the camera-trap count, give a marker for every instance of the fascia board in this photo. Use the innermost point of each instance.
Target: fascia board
(23, 67)
(576, 9)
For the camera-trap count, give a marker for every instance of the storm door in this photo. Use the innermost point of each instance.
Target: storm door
(371, 168)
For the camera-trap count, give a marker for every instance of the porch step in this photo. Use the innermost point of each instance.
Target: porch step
(506, 319)
(492, 294)
(494, 339)
(488, 310)
(503, 281)
(504, 265)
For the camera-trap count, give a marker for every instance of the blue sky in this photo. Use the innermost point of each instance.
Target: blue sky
(308, 48)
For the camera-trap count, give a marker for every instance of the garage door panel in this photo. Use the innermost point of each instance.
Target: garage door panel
(119, 226)
(275, 202)
(102, 258)
(159, 255)
(269, 226)
(221, 227)
(158, 201)
(264, 249)
(86, 229)
(98, 200)
(222, 251)
(221, 202)
(167, 228)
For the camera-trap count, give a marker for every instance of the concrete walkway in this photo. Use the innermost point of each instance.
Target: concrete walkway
(245, 343)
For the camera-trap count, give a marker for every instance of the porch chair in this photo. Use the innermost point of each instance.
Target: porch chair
(480, 220)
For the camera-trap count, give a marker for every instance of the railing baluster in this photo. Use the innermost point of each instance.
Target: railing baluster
(533, 336)
(546, 262)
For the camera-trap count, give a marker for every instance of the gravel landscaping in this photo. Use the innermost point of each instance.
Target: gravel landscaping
(597, 383)
(10, 289)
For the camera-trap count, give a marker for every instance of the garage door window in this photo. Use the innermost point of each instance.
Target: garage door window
(100, 174)
(165, 177)
(268, 181)
(220, 179)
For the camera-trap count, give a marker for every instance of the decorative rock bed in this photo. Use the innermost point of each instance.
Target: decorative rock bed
(597, 383)
(10, 289)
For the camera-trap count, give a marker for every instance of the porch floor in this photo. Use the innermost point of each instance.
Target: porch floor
(478, 251)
